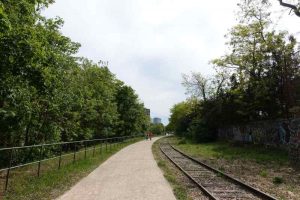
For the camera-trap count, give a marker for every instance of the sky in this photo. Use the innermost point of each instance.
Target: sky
(149, 44)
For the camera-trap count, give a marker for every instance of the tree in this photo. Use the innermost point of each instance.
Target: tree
(202, 87)
(295, 7)
(181, 117)
(132, 117)
(48, 94)
(196, 85)
(255, 80)
(157, 129)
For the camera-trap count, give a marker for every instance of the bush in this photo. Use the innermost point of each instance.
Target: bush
(157, 129)
(263, 174)
(182, 141)
(277, 180)
(201, 133)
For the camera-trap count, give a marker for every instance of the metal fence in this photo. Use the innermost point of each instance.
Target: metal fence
(64, 152)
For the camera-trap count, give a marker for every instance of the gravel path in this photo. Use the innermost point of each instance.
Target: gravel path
(130, 174)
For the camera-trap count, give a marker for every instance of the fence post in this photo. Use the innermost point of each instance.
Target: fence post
(106, 144)
(8, 170)
(101, 142)
(84, 149)
(94, 148)
(74, 156)
(60, 152)
(110, 145)
(40, 158)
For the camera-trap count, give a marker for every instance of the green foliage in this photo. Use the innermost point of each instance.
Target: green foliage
(186, 120)
(182, 141)
(180, 120)
(200, 132)
(277, 180)
(263, 173)
(46, 93)
(132, 118)
(157, 129)
(257, 79)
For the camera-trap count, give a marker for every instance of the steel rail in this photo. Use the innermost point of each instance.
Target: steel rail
(251, 189)
(189, 176)
(235, 180)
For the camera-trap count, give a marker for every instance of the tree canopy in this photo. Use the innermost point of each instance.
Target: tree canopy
(46, 93)
(257, 79)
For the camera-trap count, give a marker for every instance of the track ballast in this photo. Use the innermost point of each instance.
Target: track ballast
(214, 183)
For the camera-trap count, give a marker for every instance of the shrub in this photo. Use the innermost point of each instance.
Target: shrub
(277, 180)
(263, 173)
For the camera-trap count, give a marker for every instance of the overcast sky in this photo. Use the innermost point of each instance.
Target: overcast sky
(150, 43)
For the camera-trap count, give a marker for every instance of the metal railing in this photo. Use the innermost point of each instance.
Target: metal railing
(20, 157)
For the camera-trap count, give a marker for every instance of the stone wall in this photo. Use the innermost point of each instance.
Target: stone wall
(284, 133)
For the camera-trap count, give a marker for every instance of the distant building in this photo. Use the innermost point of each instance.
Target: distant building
(156, 120)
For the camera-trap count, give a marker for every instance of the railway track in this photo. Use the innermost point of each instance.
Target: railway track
(214, 183)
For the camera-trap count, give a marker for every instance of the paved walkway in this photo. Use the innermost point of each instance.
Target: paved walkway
(130, 174)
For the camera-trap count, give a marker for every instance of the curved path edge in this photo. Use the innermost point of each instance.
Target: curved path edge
(130, 174)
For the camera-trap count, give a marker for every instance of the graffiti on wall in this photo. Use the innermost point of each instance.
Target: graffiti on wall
(264, 132)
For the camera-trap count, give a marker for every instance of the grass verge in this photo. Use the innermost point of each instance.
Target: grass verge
(179, 190)
(53, 183)
(230, 151)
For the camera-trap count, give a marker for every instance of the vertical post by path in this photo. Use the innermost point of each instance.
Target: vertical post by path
(106, 144)
(101, 142)
(85, 149)
(40, 160)
(9, 167)
(60, 153)
(94, 148)
(74, 155)
(110, 145)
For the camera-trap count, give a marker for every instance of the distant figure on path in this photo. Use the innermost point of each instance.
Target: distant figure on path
(282, 133)
(150, 135)
(146, 135)
(250, 139)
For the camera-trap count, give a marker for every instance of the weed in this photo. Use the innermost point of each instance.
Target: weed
(277, 180)
(222, 169)
(161, 163)
(182, 141)
(220, 174)
(263, 173)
